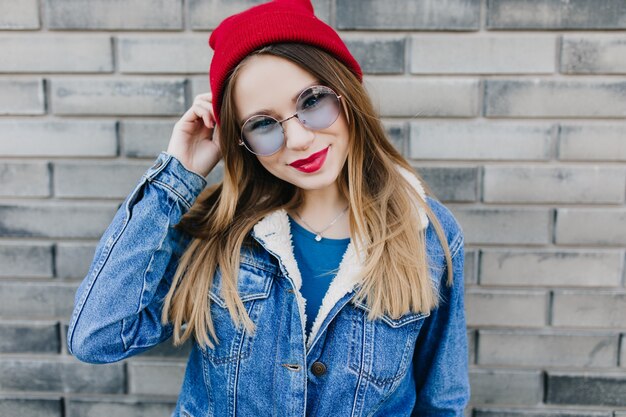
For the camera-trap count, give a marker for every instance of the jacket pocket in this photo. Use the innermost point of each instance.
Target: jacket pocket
(234, 343)
(380, 350)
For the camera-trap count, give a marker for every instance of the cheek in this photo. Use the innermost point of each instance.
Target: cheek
(271, 164)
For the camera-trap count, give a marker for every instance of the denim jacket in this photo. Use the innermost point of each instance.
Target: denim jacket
(415, 365)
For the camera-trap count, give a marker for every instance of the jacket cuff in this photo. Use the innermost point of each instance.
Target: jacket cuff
(172, 174)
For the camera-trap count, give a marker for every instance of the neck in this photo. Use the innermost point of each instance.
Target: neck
(323, 200)
(320, 207)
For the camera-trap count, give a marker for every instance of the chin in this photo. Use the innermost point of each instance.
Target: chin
(314, 181)
(315, 184)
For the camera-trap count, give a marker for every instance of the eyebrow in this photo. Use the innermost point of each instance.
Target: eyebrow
(269, 111)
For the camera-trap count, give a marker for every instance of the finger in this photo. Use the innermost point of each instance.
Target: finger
(207, 120)
(203, 97)
(196, 112)
(205, 114)
(190, 115)
(208, 108)
(204, 104)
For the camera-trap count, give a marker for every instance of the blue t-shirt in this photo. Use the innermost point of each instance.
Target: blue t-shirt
(318, 263)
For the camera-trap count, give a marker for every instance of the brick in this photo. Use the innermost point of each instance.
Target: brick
(198, 85)
(504, 225)
(60, 375)
(19, 179)
(555, 98)
(409, 15)
(26, 260)
(592, 142)
(480, 412)
(29, 337)
(397, 133)
(378, 55)
(119, 406)
(97, 180)
(556, 14)
(80, 53)
(22, 96)
(543, 268)
(586, 389)
(160, 54)
(515, 308)
(152, 378)
(451, 183)
(26, 300)
(590, 226)
(508, 54)
(469, 266)
(21, 15)
(471, 346)
(114, 14)
(216, 175)
(593, 55)
(31, 407)
(73, 259)
(416, 97)
(622, 357)
(76, 138)
(145, 138)
(534, 349)
(554, 184)
(55, 220)
(505, 386)
(207, 14)
(598, 309)
(323, 10)
(121, 96)
(482, 141)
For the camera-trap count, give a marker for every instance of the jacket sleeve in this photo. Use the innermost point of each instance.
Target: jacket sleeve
(117, 308)
(440, 360)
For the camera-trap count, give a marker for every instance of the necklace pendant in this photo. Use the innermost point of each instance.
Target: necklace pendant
(318, 237)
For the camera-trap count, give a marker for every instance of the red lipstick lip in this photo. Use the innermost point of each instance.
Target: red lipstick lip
(302, 162)
(312, 163)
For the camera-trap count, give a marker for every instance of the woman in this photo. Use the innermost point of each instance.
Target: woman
(317, 278)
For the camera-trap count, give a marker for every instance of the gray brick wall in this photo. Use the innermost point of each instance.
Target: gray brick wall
(514, 112)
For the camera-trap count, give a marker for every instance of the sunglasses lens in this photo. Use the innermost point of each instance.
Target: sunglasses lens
(318, 107)
(262, 135)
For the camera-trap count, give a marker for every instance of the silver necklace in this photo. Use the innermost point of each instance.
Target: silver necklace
(318, 235)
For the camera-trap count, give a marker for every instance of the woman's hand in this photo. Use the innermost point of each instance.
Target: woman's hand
(195, 140)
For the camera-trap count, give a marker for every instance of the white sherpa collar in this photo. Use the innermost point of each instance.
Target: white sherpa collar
(274, 232)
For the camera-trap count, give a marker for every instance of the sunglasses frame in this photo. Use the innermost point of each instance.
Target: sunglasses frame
(280, 122)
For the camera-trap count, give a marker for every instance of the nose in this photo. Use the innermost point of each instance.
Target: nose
(297, 137)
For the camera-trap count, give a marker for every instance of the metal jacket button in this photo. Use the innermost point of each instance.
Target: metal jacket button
(318, 368)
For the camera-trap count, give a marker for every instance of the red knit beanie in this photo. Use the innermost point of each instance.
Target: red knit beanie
(272, 22)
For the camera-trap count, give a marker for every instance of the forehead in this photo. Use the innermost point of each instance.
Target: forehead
(268, 82)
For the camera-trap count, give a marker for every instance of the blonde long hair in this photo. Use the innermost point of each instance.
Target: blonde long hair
(383, 220)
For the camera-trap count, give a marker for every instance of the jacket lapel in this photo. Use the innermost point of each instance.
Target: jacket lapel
(274, 233)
